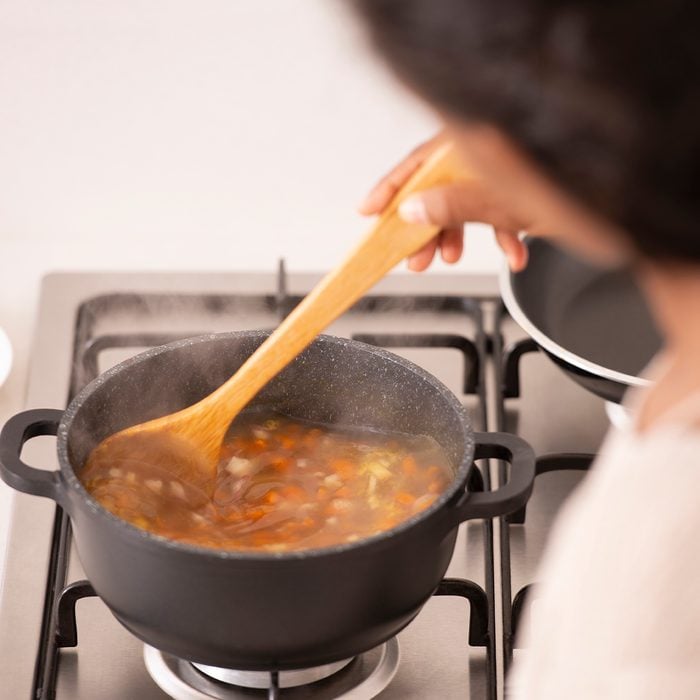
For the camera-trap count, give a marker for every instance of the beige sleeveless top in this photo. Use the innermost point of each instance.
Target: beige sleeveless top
(617, 612)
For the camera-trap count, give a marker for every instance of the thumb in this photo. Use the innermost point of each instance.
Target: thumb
(447, 206)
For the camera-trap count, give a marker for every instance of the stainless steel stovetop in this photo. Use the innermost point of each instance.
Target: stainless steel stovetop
(454, 326)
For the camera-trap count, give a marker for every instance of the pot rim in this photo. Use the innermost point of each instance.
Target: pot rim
(543, 340)
(158, 542)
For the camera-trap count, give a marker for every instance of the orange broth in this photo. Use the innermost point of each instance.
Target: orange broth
(282, 484)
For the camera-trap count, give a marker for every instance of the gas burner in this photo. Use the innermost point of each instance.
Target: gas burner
(361, 678)
(261, 679)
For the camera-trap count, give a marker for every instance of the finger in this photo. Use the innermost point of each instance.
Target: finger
(421, 260)
(514, 249)
(450, 206)
(452, 244)
(447, 206)
(385, 190)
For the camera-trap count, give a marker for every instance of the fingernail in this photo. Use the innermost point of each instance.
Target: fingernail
(450, 257)
(515, 262)
(413, 211)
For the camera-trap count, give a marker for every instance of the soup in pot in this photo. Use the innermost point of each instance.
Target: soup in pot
(282, 484)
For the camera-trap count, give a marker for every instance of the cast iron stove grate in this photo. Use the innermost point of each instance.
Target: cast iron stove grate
(59, 627)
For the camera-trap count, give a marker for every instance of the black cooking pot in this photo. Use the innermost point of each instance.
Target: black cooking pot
(263, 611)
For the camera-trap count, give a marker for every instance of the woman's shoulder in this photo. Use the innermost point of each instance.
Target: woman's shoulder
(669, 447)
(671, 401)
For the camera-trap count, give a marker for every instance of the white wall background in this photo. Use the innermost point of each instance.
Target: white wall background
(186, 134)
(178, 133)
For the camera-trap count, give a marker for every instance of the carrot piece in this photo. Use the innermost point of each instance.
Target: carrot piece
(344, 468)
(281, 464)
(404, 498)
(287, 442)
(141, 522)
(409, 466)
(293, 492)
(253, 448)
(271, 497)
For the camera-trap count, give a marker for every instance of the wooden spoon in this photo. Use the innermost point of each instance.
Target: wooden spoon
(188, 442)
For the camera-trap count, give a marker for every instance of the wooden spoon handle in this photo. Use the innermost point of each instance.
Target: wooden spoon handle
(389, 241)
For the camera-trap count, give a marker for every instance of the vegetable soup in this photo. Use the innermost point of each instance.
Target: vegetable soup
(282, 484)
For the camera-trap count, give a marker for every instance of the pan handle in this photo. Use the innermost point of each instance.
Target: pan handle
(16, 473)
(506, 499)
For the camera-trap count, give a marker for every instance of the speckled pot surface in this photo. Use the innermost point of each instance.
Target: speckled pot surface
(264, 610)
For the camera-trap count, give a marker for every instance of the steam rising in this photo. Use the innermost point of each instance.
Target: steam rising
(328, 386)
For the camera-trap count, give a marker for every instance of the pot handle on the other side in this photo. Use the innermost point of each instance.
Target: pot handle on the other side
(16, 473)
(511, 496)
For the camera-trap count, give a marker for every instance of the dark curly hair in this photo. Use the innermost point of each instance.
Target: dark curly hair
(603, 95)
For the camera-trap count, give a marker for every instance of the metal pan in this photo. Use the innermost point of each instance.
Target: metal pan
(593, 323)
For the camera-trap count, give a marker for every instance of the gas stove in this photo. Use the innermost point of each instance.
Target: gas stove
(57, 640)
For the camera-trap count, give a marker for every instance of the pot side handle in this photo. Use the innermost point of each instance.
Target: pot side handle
(506, 499)
(16, 473)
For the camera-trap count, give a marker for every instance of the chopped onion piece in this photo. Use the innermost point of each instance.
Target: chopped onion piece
(156, 485)
(238, 466)
(178, 489)
(333, 481)
(198, 518)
